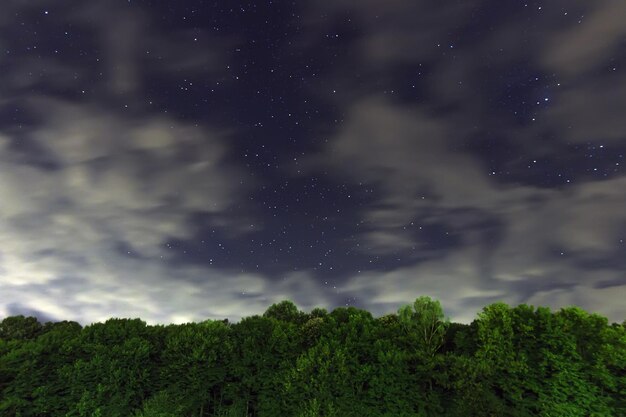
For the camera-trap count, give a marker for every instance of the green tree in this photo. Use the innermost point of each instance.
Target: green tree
(498, 362)
(113, 369)
(195, 365)
(50, 398)
(574, 361)
(18, 377)
(311, 331)
(390, 386)
(425, 328)
(426, 320)
(161, 404)
(285, 311)
(318, 312)
(320, 373)
(254, 361)
(516, 362)
(20, 328)
(29, 372)
(337, 370)
(614, 360)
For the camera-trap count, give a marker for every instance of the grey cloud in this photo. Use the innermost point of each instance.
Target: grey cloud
(133, 46)
(128, 180)
(129, 46)
(120, 36)
(117, 179)
(412, 154)
(455, 281)
(394, 31)
(586, 45)
(15, 309)
(585, 220)
(459, 283)
(29, 73)
(387, 241)
(588, 111)
(159, 293)
(606, 301)
(582, 107)
(116, 172)
(409, 154)
(202, 52)
(131, 180)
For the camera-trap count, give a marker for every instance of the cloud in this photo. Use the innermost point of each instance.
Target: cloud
(406, 152)
(154, 292)
(605, 301)
(140, 169)
(513, 241)
(539, 239)
(16, 309)
(95, 182)
(110, 285)
(588, 42)
(134, 47)
(92, 190)
(109, 48)
(588, 111)
(456, 280)
(391, 32)
(116, 182)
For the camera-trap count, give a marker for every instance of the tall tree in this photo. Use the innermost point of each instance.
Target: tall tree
(20, 328)
(195, 366)
(425, 319)
(285, 311)
(160, 405)
(111, 375)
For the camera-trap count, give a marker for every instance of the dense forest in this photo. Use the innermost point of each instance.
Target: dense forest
(510, 361)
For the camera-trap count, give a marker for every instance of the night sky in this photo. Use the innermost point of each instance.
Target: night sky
(188, 160)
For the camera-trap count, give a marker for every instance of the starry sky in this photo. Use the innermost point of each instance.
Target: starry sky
(178, 161)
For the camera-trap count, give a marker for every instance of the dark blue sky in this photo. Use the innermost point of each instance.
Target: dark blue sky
(179, 161)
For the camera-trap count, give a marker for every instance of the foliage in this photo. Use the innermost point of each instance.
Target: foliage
(426, 320)
(511, 361)
(285, 311)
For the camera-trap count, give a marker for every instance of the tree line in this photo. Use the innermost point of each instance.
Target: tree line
(510, 361)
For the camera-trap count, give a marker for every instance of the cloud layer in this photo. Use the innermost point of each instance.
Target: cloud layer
(154, 165)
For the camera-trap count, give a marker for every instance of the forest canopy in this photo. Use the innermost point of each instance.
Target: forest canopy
(510, 361)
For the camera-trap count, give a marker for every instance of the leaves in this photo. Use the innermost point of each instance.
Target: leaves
(516, 362)
(425, 319)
